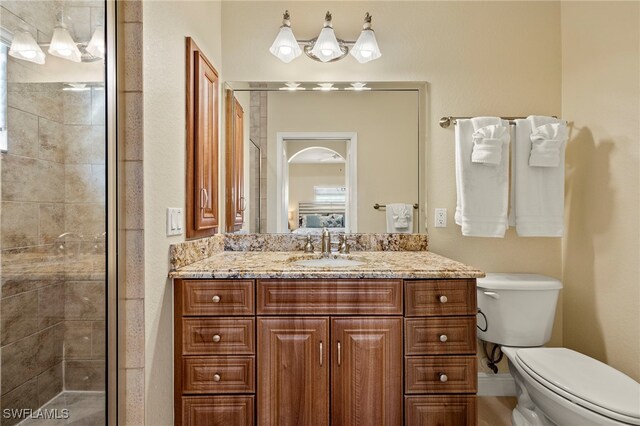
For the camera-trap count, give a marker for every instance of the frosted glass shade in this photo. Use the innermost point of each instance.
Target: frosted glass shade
(96, 44)
(63, 46)
(327, 46)
(366, 48)
(285, 46)
(23, 46)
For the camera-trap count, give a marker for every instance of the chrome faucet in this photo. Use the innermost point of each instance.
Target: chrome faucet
(326, 243)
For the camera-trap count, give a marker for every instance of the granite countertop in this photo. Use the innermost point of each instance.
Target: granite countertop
(281, 264)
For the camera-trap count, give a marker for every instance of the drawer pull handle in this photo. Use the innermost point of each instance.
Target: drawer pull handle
(216, 338)
(443, 377)
(443, 338)
(320, 354)
(216, 299)
(216, 377)
(339, 354)
(443, 299)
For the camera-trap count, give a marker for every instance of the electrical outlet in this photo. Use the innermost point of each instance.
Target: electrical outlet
(174, 221)
(441, 218)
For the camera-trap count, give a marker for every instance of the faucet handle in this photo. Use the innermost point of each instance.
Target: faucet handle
(308, 246)
(344, 244)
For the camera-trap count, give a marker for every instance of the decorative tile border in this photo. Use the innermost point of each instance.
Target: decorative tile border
(188, 252)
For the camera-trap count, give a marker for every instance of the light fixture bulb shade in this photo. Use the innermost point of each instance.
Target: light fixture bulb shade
(366, 48)
(24, 46)
(285, 46)
(326, 47)
(96, 44)
(63, 46)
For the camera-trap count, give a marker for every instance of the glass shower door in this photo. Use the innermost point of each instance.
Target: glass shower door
(53, 213)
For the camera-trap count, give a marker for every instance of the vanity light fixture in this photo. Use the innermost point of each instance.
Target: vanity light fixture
(292, 87)
(326, 47)
(325, 87)
(358, 87)
(24, 46)
(62, 45)
(285, 46)
(96, 44)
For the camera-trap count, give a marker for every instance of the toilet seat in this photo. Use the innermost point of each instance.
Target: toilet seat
(584, 381)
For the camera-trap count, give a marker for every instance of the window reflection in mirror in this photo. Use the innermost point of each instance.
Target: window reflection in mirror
(326, 158)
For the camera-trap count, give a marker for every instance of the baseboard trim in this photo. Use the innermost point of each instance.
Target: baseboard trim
(501, 384)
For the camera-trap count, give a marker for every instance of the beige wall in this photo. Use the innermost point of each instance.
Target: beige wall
(386, 124)
(471, 66)
(601, 96)
(166, 23)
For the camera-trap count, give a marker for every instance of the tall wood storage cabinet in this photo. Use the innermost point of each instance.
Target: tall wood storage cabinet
(202, 144)
(235, 201)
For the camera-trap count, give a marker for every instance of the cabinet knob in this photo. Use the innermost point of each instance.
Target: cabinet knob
(216, 299)
(216, 377)
(443, 338)
(443, 299)
(216, 338)
(443, 377)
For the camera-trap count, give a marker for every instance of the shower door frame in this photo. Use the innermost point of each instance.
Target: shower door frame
(114, 385)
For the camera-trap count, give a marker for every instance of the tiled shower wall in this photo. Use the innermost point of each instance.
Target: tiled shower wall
(52, 295)
(258, 134)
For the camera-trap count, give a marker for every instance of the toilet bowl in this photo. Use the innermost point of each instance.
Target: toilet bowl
(555, 386)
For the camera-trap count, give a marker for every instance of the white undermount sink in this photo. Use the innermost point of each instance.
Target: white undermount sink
(328, 262)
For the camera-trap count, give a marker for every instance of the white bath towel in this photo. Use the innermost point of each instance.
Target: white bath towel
(400, 218)
(548, 139)
(482, 192)
(488, 142)
(538, 196)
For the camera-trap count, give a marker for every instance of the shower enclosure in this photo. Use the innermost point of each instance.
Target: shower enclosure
(54, 209)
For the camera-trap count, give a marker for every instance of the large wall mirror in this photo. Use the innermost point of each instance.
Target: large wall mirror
(339, 156)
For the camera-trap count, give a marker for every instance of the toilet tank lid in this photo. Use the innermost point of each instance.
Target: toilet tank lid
(509, 281)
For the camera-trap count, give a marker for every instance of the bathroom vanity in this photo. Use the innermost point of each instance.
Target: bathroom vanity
(261, 340)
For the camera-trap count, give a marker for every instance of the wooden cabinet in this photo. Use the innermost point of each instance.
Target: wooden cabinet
(235, 204)
(293, 371)
(366, 385)
(281, 352)
(202, 144)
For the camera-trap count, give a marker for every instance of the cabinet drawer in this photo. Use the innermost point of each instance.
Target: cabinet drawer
(218, 374)
(440, 335)
(218, 336)
(217, 298)
(438, 374)
(440, 410)
(217, 410)
(330, 297)
(440, 297)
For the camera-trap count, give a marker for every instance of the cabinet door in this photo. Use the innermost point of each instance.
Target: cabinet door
(202, 144)
(235, 201)
(293, 371)
(366, 371)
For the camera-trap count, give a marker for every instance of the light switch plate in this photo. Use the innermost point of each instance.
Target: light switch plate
(441, 218)
(174, 221)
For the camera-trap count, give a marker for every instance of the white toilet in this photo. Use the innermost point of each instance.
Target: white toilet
(555, 386)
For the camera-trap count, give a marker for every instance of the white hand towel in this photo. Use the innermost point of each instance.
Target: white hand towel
(482, 199)
(400, 218)
(538, 198)
(487, 144)
(548, 139)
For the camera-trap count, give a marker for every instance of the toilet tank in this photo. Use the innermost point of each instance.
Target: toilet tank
(519, 308)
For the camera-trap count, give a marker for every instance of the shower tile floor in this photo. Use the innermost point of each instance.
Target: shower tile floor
(85, 409)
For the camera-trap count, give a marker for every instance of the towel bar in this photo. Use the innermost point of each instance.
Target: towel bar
(447, 121)
(379, 206)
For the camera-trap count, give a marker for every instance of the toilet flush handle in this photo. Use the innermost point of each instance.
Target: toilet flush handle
(492, 294)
